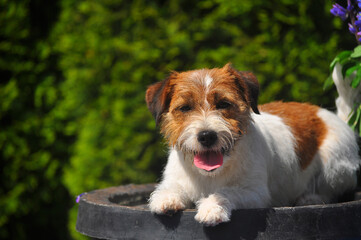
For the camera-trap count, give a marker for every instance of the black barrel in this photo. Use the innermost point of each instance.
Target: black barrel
(121, 213)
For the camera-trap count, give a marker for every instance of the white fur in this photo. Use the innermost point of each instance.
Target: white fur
(338, 156)
(203, 77)
(348, 96)
(260, 171)
(260, 168)
(208, 80)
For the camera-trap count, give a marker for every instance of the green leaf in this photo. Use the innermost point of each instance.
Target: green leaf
(328, 83)
(357, 121)
(341, 58)
(347, 61)
(350, 70)
(359, 127)
(354, 118)
(333, 63)
(356, 52)
(344, 54)
(346, 66)
(356, 81)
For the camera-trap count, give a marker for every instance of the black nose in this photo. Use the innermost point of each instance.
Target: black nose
(207, 138)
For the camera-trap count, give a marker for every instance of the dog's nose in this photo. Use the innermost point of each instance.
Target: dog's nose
(207, 138)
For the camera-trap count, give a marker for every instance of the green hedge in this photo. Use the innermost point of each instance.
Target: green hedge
(72, 110)
(33, 149)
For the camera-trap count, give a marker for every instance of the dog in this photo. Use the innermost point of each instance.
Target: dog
(226, 152)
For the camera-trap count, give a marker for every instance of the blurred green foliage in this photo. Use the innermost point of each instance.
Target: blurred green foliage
(74, 73)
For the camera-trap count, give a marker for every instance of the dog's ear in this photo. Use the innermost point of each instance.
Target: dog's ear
(249, 82)
(158, 98)
(252, 89)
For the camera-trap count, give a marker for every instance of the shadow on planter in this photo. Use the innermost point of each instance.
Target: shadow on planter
(121, 213)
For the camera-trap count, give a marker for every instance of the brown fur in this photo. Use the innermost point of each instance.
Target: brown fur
(308, 129)
(165, 99)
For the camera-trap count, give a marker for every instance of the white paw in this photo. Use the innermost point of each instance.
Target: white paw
(211, 212)
(163, 202)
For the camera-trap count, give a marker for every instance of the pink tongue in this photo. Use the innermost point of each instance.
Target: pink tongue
(208, 160)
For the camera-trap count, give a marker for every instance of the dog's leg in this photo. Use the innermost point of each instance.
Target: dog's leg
(213, 210)
(217, 207)
(167, 201)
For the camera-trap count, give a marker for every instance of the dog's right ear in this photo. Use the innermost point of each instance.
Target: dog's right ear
(158, 98)
(249, 86)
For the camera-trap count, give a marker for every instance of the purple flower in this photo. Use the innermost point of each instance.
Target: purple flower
(339, 11)
(78, 197)
(350, 7)
(358, 23)
(352, 28)
(353, 12)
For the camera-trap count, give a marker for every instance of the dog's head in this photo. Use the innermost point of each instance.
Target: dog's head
(204, 112)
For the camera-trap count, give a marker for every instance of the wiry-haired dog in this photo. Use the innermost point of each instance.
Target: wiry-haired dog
(228, 153)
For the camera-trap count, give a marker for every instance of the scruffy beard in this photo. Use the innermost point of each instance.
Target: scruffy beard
(227, 136)
(183, 137)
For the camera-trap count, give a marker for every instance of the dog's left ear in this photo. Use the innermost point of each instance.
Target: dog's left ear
(249, 82)
(158, 98)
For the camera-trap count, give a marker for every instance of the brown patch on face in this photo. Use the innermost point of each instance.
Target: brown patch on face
(228, 95)
(187, 100)
(185, 97)
(193, 97)
(308, 129)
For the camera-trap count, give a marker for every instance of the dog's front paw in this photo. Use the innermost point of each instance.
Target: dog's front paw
(211, 211)
(165, 202)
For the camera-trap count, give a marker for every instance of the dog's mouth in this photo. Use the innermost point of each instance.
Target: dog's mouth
(209, 160)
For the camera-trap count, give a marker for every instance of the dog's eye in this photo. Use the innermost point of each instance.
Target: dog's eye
(223, 105)
(185, 108)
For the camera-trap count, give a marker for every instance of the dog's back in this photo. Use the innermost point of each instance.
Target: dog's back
(324, 148)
